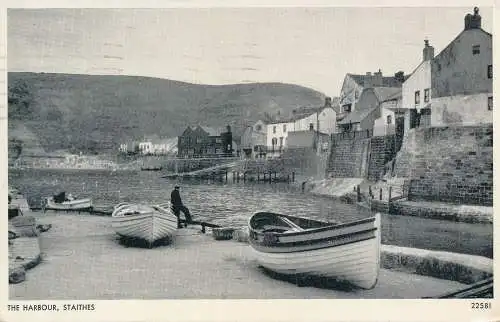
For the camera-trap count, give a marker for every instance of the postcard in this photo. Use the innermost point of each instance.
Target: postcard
(248, 162)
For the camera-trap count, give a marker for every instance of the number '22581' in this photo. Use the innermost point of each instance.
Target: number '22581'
(480, 305)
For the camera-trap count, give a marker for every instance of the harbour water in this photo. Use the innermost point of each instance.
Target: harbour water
(233, 203)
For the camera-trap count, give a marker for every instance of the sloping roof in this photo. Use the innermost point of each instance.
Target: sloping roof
(387, 81)
(303, 112)
(357, 116)
(213, 131)
(386, 93)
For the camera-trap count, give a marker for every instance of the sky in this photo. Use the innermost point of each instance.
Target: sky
(312, 47)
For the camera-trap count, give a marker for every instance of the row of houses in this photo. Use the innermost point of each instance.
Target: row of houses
(454, 86)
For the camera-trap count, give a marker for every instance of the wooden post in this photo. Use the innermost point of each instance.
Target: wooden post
(203, 227)
(237, 176)
(380, 194)
(390, 193)
(274, 175)
(258, 178)
(270, 176)
(234, 177)
(358, 193)
(293, 176)
(226, 176)
(244, 176)
(288, 178)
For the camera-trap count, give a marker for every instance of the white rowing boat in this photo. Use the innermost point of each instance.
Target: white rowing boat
(347, 252)
(144, 222)
(60, 202)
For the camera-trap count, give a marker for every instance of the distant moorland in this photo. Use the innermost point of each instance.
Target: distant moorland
(88, 113)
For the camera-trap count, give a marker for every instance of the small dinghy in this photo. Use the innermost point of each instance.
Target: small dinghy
(67, 203)
(347, 252)
(144, 222)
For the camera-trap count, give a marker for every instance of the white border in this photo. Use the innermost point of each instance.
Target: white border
(239, 310)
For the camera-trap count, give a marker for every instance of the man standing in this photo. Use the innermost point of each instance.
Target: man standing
(177, 206)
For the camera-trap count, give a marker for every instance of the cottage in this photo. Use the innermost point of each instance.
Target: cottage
(254, 140)
(354, 85)
(202, 141)
(321, 119)
(462, 77)
(391, 120)
(367, 109)
(416, 96)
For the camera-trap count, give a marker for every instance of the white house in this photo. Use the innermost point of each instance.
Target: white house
(462, 77)
(321, 119)
(146, 147)
(417, 94)
(391, 115)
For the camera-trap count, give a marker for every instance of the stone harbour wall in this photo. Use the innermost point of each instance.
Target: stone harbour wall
(448, 164)
(349, 158)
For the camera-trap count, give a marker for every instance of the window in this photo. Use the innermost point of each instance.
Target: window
(274, 141)
(218, 140)
(347, 108)
(389, 119)
(281, 141)
(258, 127)
(490, 71)
(490, 103)
(199, 140)
(417, 97)
(274, 129)
(284, 128)
(311, 126)
(427, 92)
(476, 50)
(356, 94)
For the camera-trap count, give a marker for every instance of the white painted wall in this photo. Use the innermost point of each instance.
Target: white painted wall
(461, 109)
(418, 81)
(279, 132)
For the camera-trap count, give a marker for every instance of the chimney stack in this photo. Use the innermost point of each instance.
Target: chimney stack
(473, 21)
(428, 52)
(328, 101)
(368, 81)
(377, 78)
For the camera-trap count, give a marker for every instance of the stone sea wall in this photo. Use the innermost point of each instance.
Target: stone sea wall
(448, 164)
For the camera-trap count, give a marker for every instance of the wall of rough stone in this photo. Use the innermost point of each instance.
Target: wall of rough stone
(448, 164)
(305, 162)
(349, 158)
(382, 150)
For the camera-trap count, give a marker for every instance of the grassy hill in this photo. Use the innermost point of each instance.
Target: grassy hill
(96, 113)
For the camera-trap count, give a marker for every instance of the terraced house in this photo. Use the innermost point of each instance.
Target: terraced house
(202, 141)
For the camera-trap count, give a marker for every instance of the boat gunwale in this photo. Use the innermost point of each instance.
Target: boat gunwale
(307, 231)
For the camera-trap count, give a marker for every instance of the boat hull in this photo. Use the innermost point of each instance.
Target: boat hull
(73, 205)
(346, 252)
(145, 223)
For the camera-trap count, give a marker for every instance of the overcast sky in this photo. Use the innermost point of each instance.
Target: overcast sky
(312, 47)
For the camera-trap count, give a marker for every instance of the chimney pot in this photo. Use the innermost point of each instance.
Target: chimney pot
(472, 21)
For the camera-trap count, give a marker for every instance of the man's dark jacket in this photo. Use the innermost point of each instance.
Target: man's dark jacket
(175, 198)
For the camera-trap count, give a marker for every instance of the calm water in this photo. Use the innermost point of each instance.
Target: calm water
(234, 203)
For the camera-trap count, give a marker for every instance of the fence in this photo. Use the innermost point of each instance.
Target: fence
(382, 198)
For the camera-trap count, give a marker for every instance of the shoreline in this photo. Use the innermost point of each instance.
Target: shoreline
(218, 269)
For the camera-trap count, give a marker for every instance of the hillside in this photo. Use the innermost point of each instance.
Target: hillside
(96, 113)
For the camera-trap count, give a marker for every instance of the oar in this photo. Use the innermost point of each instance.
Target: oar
(291, 223)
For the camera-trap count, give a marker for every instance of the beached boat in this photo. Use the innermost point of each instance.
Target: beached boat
(347, 252)
(159, 168)
(61, 202)
(144, 222)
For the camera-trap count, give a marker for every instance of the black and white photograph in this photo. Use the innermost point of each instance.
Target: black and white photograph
(227, 153)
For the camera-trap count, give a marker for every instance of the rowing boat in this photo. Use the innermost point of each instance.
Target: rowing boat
(346, 252)
(61, 202)
(144, 222)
